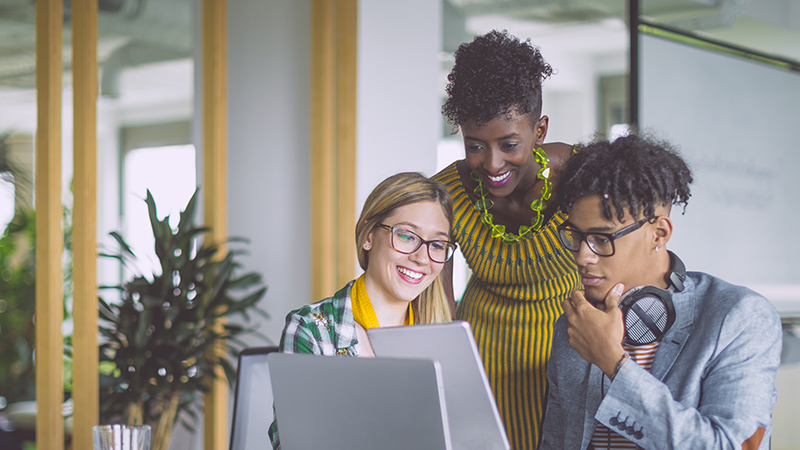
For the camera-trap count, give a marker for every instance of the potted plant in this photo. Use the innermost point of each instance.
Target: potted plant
(162, 342)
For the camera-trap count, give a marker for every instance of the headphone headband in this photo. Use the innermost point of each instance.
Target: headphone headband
(677, 272)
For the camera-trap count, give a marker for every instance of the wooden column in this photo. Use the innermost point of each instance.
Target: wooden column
(346, 69)
(49, 237)
(334, 62)
(84, 224)
(323, 150)
(215, 192)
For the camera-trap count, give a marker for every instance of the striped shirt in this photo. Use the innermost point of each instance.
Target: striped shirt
(512, 301)
(604, 438)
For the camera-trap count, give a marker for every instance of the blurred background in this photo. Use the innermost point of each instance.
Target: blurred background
(720, 78)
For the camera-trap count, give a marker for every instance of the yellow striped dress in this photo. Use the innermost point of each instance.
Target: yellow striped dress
(512, 302)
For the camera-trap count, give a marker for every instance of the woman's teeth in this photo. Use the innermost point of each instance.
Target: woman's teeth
(499, 178)
(410, 273)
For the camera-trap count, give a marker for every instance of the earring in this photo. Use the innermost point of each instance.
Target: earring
(656, 249)
(366, 246)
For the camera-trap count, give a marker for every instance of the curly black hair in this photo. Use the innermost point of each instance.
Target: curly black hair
(640, 173)
(496, 74)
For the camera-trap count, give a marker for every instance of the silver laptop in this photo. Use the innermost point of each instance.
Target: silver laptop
(358, 403)
(474, 420)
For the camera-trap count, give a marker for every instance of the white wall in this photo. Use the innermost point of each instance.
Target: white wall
(268, 185)
(268, 128)
(268, 153)
(399, 119)
(268, 162)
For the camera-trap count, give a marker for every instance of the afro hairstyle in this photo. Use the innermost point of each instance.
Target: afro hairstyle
(495, 74)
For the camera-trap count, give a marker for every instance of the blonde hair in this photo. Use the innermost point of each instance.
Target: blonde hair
(407, 188)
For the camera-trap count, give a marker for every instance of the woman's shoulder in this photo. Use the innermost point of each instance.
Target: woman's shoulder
(559, 153)
(455, 178)
(321, 328)
(446, 175)
(330, 309)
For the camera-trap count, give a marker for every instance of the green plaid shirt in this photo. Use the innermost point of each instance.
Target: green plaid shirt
(323, 328)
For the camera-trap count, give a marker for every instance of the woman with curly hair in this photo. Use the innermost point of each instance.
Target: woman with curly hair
(506, 216)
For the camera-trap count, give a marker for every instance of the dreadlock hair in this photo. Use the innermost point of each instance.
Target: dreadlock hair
(494, 75)
(639, 173)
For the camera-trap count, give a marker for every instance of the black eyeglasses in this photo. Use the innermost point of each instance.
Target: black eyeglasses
(407, 242)
(601, 244)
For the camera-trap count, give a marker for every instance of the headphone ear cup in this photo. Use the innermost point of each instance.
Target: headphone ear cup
(648, 314)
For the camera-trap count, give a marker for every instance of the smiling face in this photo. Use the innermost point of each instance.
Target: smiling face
(500, 151)
(392, 276)
(635, 261)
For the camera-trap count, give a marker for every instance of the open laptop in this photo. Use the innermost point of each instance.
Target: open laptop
(472, 412)
(252, 407)
(358, 403)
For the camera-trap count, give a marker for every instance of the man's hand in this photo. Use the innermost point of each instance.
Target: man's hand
(596, 335)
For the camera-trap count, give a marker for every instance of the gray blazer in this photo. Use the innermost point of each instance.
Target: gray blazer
(711, 386)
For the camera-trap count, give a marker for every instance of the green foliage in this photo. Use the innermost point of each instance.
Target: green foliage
(160, 339)
(17, 294)
(17, 307)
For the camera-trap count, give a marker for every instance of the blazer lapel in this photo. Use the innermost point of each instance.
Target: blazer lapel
(676, 337)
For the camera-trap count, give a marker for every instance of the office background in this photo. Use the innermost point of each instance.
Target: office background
(149, 123)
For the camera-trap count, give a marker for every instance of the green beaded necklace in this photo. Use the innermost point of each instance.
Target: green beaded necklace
(484, 204)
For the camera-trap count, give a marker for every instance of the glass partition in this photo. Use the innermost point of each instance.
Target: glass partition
(17, 219)
(146, 74)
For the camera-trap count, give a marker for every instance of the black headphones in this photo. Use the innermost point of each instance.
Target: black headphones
(648, 311)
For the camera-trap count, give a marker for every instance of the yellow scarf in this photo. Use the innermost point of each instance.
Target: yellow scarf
(363, 312)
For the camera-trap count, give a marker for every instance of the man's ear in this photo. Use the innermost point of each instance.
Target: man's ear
(541, 130)
(663, 230)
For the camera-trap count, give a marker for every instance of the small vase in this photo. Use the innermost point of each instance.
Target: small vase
(121, 437)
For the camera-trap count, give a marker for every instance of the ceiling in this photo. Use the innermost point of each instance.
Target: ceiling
(767, 26)
(136, 33)
(570, 11)
(131, 33)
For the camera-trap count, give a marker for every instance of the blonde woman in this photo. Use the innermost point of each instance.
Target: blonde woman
(403, 241)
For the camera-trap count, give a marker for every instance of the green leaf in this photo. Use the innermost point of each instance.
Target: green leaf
(187, 216)
(121, 241)
(245, 281)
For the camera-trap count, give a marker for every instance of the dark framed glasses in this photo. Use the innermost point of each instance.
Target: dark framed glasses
(601, 244)
(407, 242)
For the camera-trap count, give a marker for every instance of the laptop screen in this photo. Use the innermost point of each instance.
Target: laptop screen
(472, 413)
(358, 403)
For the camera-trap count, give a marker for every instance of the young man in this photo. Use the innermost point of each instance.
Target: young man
(647, 355)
